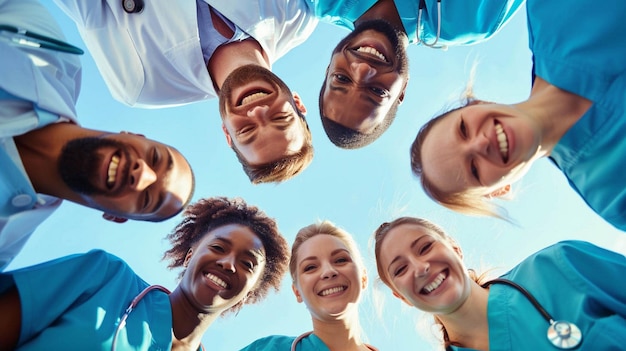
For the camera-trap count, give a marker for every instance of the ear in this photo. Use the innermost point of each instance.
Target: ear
(296, 292)
(455, 246)
(229, 141)
(401, 97)
(299, 104)
(500, 192)
(131, 133)
(402, 298)
(364, 281)
(112, 218)
(187, 257)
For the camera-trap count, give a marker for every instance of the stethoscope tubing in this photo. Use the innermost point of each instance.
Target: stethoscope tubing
(28, 38)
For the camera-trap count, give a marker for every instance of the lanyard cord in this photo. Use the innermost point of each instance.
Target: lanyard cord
(27, 38)
(527, 294)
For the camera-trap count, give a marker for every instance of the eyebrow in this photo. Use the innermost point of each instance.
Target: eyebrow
(256, 254)
(345, 91)
(333, 253)
(413, 244)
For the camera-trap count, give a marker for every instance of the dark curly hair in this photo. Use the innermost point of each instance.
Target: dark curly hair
(208, 214)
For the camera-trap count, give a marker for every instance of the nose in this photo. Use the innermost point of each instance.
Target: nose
(479, 144)
(258, 112)
(328, 271)
(141, 175)
(362, 71)
(422, 268)
(227, 263)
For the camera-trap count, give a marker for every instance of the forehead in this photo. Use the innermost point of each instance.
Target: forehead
(320, 245)
(272, 143)
(352, 108)
(238, 235)
(400, 237)
(443, 163)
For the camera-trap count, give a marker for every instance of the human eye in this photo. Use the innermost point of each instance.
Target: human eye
(249, 265)
(342, 259)
(146, 199)
(474, 170)
(155, 156)
(341, 78)
(217, 247)
(308, 268)
(463, 129)
(379, 92)
(399, 270)
(426, 247)
(245, 130)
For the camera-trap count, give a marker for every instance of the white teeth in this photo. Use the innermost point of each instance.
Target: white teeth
(212, 277)
(503, 143)
(435, 283)
(112, 171)
(370, 50)
(253, 97)
(332, 290)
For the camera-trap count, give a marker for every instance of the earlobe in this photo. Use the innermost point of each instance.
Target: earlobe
(297, 293)
(401, 97)
(500, 192)
(299, 104)
(364, 281)
(402, 298)
(229, 141)
(112, 218)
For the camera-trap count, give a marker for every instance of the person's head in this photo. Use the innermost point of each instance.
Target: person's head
(421, 264)
(127, 176)
(364, 84)
(231, 253)
(327, 270)
(471, 154)
(264, 123)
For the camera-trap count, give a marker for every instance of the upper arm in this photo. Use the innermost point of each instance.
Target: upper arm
(10, 318)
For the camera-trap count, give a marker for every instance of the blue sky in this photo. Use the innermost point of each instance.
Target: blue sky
(356, 189)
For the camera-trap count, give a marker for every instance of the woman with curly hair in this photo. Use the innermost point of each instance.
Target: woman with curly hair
(562, 297)
(329, 277)
(230, 254)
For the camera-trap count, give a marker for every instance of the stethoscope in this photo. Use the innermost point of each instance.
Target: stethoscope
(27, 38)
(562, 334)
(132, 6)
(433, 45)
(132, 306)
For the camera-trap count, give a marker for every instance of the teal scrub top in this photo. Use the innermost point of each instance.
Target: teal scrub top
(281, 342)
(574, 281)
(463, 22)
(76, 302)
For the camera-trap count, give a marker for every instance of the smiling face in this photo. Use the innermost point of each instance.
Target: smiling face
(222, 268)
(494, 144)
(327, 278)
(127, 175)
(260, 117)
(423, 269)
(367, 75)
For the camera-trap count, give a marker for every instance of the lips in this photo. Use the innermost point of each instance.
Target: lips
(503, 142)
(368, 50)
(332, 290)
(435, 283)
(252, 95)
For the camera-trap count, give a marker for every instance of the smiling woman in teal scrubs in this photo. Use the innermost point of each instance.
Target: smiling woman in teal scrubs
(576, 284)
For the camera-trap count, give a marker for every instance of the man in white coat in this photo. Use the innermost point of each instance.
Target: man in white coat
(45, 156)
(177, 52)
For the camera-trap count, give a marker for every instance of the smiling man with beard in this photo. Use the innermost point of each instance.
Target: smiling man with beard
(45, 156)
(369, 67)
(179, 52)
(264, 124)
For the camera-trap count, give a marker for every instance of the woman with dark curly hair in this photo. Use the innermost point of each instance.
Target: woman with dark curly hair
(231, 254)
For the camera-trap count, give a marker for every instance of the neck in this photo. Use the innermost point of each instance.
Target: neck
(468, 325)
(555, 110)
(40, 150)
(188, 324)
(383, 9)
(341, 334)
(229, 57)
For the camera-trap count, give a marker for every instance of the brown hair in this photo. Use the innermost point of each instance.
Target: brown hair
(207, 214)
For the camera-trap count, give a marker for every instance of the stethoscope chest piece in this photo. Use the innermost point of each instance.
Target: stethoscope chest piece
(132, 6)
(564, 335)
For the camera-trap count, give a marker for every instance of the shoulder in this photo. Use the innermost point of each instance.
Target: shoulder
(272, 342)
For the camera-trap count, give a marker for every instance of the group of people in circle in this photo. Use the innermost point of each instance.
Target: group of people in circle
(231, 253)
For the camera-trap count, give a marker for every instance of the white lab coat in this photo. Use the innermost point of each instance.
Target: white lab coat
(153, 58)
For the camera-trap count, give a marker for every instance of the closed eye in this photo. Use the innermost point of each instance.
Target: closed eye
(217, 248)
(399, 270)
(426, 247)
(474, 171)
(463, 129)
(309, 268)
